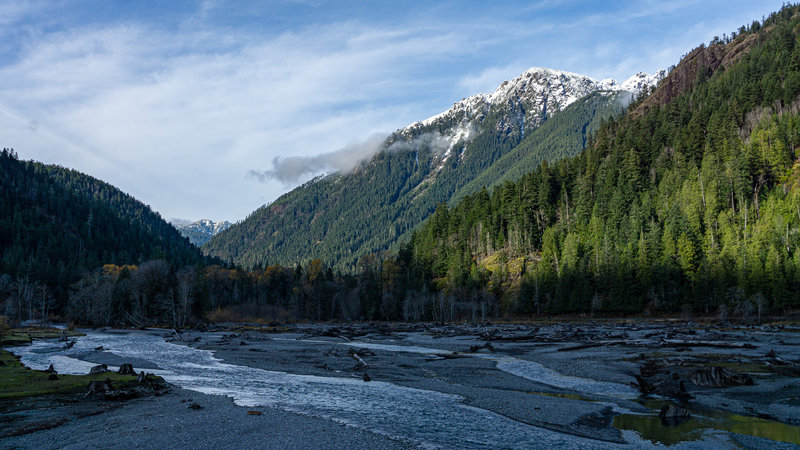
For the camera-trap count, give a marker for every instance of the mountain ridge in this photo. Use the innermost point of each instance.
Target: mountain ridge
(341, 216)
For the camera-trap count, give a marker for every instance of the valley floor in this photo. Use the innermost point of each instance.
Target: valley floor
(500, 386)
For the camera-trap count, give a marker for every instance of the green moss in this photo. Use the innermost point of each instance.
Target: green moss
(27, 335)
(20, 381)
(650, 427)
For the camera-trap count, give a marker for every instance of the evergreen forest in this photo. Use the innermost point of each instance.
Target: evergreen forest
(687, 202)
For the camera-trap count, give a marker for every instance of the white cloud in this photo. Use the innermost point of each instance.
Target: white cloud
(176, 113)
(127, 103)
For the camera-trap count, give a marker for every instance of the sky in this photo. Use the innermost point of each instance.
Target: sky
(180, 103)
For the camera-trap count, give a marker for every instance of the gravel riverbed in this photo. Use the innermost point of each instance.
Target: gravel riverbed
(438, 385)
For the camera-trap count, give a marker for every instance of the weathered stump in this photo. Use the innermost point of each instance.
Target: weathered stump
(126, 369)
(101, 368)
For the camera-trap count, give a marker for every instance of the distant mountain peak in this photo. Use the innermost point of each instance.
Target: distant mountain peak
(203, 230)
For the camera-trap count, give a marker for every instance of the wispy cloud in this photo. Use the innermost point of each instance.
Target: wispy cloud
(176, 109)
(289, 170)
(134, 102)
(293, 169)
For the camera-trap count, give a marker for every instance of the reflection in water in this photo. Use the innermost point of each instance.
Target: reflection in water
(425, 417)
(651, 428)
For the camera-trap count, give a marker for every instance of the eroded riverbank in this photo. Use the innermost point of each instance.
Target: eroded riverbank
(481, 386)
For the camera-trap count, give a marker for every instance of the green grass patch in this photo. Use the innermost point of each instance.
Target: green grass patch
(20, 381)
(22, 336)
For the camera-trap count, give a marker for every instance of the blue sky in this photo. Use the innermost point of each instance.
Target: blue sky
(176, 101)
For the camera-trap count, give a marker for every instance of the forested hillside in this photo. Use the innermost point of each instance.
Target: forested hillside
(56, 223)
(340, 217)
(692, 203)
(687, 203)
(563, 135)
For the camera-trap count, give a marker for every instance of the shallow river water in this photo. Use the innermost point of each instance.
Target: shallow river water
(421, 417)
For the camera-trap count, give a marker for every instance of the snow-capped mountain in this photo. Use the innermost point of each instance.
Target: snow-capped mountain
(641, 81)
(479, 142)
(521, 104)
(208, 226)
(203, 230)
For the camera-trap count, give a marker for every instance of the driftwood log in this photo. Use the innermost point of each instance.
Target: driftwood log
(715, 344)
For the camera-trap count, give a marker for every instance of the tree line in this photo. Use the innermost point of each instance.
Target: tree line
(692, 207)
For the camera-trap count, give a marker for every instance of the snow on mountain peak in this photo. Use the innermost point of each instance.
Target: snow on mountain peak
(637, 83)
(522, 103)
(558, 88)
(208, 226)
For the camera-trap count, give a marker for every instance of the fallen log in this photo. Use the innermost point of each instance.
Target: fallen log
(580, 347)
(523, 338)
(715, 344)
(441, 356)
(629, 342)
(355, 356)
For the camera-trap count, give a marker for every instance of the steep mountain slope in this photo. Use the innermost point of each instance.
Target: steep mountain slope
(341, 217)
(691, 204)
(203, 230)
(563, 135)
(56, 223)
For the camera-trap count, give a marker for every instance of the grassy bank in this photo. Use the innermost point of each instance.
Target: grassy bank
(20, 381)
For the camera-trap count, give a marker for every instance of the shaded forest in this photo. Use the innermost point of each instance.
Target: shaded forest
(56, 223)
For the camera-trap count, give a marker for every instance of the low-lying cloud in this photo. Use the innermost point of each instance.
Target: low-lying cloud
(290, 170)
(293, 169)
(436, 141)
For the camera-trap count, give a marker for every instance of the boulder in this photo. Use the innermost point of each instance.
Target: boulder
(367, 377)
(102, 368)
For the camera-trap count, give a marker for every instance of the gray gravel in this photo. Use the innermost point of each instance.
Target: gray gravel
(168, 422)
